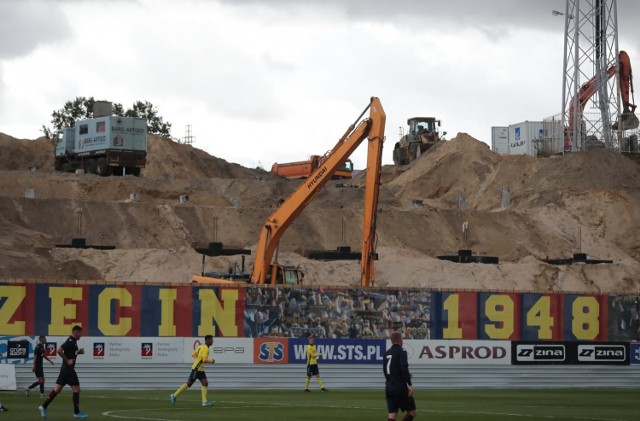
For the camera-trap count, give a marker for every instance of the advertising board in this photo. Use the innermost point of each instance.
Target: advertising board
(342, 351)
(442, 352)
(575, 353)
(8, 377)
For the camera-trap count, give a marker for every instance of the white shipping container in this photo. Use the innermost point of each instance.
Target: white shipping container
(500, 139)
(524, 137)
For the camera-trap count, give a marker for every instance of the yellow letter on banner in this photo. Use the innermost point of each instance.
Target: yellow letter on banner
(500, 310)
(61, 312)
(167, 318)
(15, 296)
(586, 318)
(452, 306)
(211, 309)
(104, 311)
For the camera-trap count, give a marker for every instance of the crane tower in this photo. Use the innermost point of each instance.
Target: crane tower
(590, 59)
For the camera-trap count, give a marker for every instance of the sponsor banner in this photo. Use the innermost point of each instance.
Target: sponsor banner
(457, 352)
(50, 349)
(588, 353)
(634, 353)
(122, 350)
(17, 349)
(8, 377)
(334, 351)
(270, 351)
(223, 350)
(611, 353)
(539, 353)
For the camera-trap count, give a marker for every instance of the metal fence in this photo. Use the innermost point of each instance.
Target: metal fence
(590, 137)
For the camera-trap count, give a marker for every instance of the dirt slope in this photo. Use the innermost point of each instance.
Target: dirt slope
(585, 201)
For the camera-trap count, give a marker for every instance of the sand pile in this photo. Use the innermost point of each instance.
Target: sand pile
(556, 206)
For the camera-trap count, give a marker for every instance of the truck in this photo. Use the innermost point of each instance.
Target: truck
(423, 133)
(302, 169)
(103, 145)
(266, 270)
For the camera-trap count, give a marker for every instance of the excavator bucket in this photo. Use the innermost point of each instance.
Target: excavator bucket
(628, 121)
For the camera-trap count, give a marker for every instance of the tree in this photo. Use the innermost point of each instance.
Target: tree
(154, 120)
(82, 108)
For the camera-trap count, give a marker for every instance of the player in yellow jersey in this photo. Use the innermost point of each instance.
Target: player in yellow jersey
(201, 355)
(312, 365)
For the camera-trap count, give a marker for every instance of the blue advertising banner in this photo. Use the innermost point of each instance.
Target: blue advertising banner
(635, 352)
(339, 351)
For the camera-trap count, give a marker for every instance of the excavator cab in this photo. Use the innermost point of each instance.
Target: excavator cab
(285, 275)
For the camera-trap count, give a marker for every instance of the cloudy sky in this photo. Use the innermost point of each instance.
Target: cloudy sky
(263, 81)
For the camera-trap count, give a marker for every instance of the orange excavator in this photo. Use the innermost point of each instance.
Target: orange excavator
(267, 272)
(627, 119)
(302, 169)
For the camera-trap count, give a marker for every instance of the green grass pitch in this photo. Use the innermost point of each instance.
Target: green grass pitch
(335, 405)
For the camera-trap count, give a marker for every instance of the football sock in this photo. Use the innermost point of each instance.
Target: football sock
(181, 389)
(76, 402)
(407, 418)
(50, 398)
(41, 388)
(203, 390)
(320, 382)
(34, 384)
(306, 383)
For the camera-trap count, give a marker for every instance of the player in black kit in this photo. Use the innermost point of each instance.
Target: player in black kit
(398, 389)
(38, 360)
(68, 352)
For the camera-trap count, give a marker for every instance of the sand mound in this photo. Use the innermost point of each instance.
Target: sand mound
(520, 209)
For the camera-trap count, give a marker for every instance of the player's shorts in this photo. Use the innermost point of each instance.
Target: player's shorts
(39, 372)
(199, 375)
(399, 399)
(312, 370)
(68, 376)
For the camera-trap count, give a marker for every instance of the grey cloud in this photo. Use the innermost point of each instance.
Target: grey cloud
(24, 25)
(483, 14)
(496, 19)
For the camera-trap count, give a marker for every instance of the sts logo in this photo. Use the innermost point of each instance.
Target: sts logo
(270, 351)
(98, 350)
(50, 349)
(146, 350)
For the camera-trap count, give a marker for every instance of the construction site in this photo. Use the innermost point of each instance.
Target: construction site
(510, 262)
(586, 202)
(552, 205)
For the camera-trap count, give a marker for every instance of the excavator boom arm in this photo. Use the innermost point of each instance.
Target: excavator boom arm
(590, 87)
(276, 224)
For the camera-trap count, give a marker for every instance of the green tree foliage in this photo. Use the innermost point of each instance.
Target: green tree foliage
(154, 120)
(82, 108)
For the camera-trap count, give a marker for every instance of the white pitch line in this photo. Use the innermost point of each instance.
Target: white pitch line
(129, 417)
